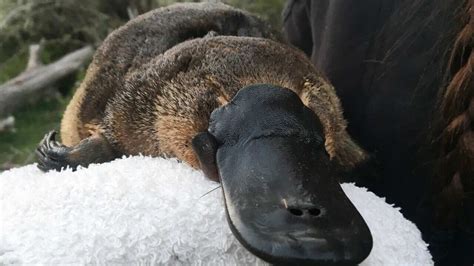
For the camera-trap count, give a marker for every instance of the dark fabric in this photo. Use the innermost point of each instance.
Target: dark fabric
(386, 60)
(336, 34)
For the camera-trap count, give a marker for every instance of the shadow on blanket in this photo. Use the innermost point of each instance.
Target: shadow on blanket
(152, 210)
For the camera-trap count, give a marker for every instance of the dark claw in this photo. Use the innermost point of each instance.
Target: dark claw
(51, 154)
(51, 136)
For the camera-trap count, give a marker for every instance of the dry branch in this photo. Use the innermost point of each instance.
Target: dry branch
(34, 60)
(31, 83)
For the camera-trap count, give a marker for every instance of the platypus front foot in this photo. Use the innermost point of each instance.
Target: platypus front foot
(53, 155)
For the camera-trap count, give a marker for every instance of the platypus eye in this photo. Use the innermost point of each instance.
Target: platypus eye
(205, 146)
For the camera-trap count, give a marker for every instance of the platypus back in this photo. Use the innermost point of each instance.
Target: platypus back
(140, 40)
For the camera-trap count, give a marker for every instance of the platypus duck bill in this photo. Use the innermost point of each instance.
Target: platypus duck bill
(282, 198)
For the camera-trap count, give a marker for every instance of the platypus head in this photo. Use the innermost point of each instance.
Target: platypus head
(283, 201)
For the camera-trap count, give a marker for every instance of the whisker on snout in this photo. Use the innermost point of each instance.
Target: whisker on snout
(209, 192)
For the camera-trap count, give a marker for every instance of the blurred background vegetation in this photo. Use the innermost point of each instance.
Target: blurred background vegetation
(63, 26)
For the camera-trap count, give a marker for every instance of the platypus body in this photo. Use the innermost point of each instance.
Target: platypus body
(248, 110)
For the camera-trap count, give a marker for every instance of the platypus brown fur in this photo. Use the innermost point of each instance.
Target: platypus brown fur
(146, 94)
(139, 41)
(161, 105)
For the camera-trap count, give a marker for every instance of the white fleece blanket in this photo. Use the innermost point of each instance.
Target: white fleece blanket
(144, 210)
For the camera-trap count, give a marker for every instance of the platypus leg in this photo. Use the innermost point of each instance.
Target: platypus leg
(54, 155)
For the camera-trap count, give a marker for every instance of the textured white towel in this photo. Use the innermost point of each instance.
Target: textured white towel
(151, 210)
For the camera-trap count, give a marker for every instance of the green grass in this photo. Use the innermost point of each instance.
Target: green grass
(31, 123)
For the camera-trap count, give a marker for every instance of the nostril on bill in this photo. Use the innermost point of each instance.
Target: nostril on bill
(295, 211)
(300, 212)
(314, 211)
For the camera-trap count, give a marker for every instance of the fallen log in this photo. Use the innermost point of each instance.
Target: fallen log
(30, 84)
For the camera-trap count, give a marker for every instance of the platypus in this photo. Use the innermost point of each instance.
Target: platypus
(250, 111)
